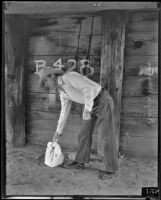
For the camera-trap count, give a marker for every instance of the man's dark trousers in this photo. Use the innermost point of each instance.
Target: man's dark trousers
(103, 113)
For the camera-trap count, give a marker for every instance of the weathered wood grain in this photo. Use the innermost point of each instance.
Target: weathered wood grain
(63, 45)
(140, 106)
(112, 59)
(136, 146)
(95, 45)
(141, 45)
(144, 44)
(133, 63)
(97, 25)
(15, 44)
(56, 7)
(40, 137)
(134, 126)
(140, 146)
(142, 22)
(36, 125)
(41, 102)
(140, 86)
(31, 84)
(67, 17)
(139, 126)
(69, 25)
(40, 115)
(55, 27)
(42, 126)
(68, 139)
(139, 112)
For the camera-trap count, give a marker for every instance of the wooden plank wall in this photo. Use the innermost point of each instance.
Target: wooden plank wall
(15, 55)
(65, 37)
(139, 112)
(59, 37)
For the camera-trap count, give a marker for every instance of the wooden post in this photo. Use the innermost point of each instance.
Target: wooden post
(112, 60)
(15, 48)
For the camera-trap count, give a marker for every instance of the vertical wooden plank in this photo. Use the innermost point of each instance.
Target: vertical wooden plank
(112, 59)
(14, 78)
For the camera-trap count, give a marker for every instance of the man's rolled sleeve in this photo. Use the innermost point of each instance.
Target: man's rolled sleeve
(88, 96)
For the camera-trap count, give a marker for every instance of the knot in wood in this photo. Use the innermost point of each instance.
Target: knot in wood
(138, 44)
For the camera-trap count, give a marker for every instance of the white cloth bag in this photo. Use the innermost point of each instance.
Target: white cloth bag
(53, 155)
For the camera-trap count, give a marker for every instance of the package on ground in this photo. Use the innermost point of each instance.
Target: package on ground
(53, 155)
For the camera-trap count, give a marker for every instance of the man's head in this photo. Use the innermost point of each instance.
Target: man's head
(47, 77)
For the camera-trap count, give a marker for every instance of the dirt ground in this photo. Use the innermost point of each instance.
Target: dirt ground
(27, 174)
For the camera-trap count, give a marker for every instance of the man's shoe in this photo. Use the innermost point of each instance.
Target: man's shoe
(74, 165)
(105, 175)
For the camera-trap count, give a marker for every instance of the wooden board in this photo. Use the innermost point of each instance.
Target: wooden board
(140, 146)
(133, 63)
(54, 26)
(97, 25)
(40, 115)
(41, 102)
(42, 125)
(139, 126)
(43, 8)
(69, 25)
(46, 120)
(136, 146)
(144, 44)
(68, 139)
(43, 137)
(143, 22)
(112, 61)
(95, 45)
(43, 129)
(135, 126)
(15, 45)
(140, 86)
(37, 101)
(140, 106)
(63, 45)
(139, 112)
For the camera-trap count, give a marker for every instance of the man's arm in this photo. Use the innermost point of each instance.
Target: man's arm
(64, 113)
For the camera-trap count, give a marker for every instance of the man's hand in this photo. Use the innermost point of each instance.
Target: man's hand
(86, 115)
(56, 137)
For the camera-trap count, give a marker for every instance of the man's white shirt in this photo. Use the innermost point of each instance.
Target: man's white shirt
(77, 88)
